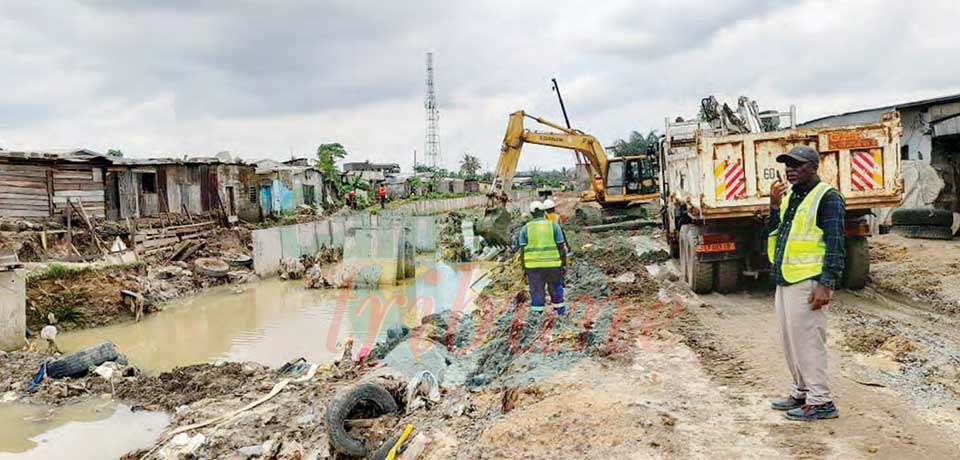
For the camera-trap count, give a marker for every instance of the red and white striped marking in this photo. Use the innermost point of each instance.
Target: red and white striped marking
(734, 181)
(865, 172)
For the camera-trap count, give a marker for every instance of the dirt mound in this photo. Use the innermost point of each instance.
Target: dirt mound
(185, 385)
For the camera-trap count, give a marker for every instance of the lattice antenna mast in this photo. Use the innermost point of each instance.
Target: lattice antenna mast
(432, 141)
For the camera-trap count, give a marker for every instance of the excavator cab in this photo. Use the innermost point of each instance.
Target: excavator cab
(629, 177)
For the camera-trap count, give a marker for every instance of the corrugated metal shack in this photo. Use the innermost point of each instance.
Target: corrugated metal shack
(148, 188)
(38, 184)
(284, 187)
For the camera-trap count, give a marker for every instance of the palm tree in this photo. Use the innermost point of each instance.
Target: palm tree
(469, 165)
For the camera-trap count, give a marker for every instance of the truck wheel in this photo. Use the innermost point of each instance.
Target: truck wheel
(857, 263)
(697, 274)
(920, 216)
(926, 232)
(728, 275)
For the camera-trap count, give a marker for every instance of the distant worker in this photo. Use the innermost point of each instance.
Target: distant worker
(805, 246)
(382, 194)
(544, 260)
(550, 213)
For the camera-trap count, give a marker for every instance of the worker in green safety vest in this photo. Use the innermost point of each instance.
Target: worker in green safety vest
(544, 255)
(805, 247)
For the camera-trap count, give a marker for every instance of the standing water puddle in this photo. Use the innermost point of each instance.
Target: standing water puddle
(92, 429)
(270, 322)
(274, 321)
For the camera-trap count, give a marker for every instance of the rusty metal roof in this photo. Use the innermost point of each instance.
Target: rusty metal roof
(70, 155)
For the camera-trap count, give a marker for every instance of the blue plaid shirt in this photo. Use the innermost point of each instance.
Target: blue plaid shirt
(830, 217)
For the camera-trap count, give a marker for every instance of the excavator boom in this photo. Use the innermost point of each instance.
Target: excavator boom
(632, 178)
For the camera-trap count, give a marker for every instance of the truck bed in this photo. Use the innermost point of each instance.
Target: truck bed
(730, 176)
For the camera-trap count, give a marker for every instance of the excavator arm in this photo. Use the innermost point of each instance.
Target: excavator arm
(588, 146)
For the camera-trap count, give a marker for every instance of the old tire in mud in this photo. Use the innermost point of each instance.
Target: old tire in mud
(926, 232)
(920, 216)
(77, 364)
(212, 267)
(344, 403)
(728, 275)
(857, 263)
(697, 273)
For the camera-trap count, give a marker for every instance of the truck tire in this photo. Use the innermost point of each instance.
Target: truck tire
(857, 264)
(728, 275)
(77, 364)
(927, 232)
(341, 406)
(697, 274)
(920, 216)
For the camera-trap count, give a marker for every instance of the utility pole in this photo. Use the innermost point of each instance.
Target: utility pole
(432, 142)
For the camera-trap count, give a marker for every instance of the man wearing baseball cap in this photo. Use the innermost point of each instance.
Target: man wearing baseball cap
(544, 256)
(805, 247)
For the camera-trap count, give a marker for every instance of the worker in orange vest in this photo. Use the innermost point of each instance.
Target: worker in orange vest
(382, 193)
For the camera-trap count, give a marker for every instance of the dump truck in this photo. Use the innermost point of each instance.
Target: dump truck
(715, 190)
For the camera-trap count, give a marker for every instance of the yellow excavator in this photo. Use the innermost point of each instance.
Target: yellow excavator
(614, 182)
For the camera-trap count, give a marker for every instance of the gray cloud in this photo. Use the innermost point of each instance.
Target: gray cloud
(266, 78)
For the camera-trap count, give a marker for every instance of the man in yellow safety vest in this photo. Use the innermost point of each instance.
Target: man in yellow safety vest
(544, 260)
(805, 247)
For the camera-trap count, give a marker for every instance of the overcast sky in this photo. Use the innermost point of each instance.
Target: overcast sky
(264, 79)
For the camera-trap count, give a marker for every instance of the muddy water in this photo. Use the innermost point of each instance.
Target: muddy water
(274, 321)
(75, 431)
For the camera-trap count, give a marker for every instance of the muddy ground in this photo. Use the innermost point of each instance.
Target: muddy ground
(77, 297)
(921, 270)
(658, 372)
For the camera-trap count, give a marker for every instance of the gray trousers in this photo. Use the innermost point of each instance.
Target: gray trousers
(804, 333)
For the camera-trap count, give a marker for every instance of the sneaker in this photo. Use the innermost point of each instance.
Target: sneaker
(809, 412)
(560, 311)
(787, 403)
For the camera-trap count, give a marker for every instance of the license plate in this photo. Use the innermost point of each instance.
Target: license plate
(717, 247)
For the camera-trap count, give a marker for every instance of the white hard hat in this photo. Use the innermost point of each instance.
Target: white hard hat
(549, 204)
(535, 206)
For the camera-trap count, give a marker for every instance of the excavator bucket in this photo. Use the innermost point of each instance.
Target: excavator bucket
(494, 227)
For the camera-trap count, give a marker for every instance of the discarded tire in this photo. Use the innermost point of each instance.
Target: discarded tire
(212, 267)
(77, 364)
(919, 216)
(927, 232)
(341, 406)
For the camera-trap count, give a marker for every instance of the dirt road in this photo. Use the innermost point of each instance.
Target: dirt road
(914, 414)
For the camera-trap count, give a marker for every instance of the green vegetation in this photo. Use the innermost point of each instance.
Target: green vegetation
(469, 165)
(327, 157)
(114, 153)
(58, 272)
(636, 144)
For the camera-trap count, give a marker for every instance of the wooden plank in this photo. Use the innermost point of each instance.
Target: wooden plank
(23, 213)
(24, 207)
(79, 193)
(23, 168)
(60, 174)
(22, 196)
(38, 176)
(193, 236)
(159, 242)
(23, 190)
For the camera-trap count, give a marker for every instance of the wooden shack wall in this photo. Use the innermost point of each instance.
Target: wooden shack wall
(24, 191)
(42, 190)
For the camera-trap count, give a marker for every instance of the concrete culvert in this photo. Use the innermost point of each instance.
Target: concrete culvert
(343, 404)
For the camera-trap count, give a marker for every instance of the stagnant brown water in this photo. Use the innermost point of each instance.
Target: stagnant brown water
(270, 322)
(275, 321)
(93, 429)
